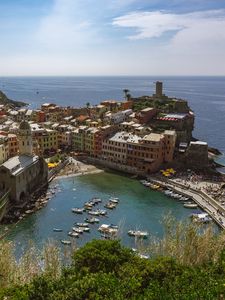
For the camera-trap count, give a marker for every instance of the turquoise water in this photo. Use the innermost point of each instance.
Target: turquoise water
(139, 208)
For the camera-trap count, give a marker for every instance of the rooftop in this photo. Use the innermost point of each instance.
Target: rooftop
(153, 137)
(125, 137)
(18, 163)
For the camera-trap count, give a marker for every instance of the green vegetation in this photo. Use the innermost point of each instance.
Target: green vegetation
(184, 265)
(57, 158)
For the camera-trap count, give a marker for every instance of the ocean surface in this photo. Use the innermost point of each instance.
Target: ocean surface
(139, 207)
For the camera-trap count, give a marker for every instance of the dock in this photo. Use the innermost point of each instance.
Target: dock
(206, 202)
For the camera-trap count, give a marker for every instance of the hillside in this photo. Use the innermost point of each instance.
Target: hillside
(184, 265)
(11, 103)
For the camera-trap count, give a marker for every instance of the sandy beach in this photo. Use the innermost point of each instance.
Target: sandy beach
(77, 168)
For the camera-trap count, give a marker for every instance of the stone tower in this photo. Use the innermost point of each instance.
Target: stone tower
(25, 139)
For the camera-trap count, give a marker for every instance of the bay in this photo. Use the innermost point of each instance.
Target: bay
(139, 208)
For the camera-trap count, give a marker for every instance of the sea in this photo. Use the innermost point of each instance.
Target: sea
(139, 208)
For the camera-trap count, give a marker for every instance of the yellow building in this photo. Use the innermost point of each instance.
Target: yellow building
(4, 149)
(47, 139)
(78, 138)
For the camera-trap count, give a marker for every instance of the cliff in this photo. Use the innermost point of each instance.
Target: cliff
(4, 100)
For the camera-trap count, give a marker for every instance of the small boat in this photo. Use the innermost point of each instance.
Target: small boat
(96, 200)
(65, 242)
(88, 206)
(190, 205)
(102, 212)
(78, 229)
(86, 229)
(168, 192)
(110, 205)
(82, 224)
(29, 211)
(94, 213)
(108, 229)
(114, 200)
(73, 234)
(78, 210)
(114, 226)
(138, 233)
(143, 256)
(92, 220)
(57, 229)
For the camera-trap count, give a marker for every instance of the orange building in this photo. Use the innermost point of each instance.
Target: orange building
(13, 145)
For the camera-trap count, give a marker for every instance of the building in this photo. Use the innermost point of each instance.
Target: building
(146, 114)
(78, 139)
(13, 144)
(4, 148)
(144, 154)
(21, 175)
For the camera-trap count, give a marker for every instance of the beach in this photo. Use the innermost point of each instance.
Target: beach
(77, 168)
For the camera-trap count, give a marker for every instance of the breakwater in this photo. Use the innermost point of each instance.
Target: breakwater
(207, 203)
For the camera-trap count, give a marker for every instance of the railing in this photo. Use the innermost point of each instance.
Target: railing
(52, 173)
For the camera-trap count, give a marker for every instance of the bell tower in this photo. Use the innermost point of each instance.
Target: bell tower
(25, 139)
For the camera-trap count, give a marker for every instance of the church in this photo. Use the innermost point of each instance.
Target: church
(23, 174)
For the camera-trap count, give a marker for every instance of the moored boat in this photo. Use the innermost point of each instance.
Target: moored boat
(94, 213)
(138, 233)
(92, 220)
(57, 229)
(73, 234)
(108, 229)
(78, 229)
(78, 210)
(81, 224)
(65, 242)
(110, 205)
(190, 205)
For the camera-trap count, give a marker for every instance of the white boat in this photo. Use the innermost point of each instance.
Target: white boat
(92, 220)
(138, 233)
(102, 212)
(114, 200)
(65, 242)
(73, 234)
(110, 205)
(86, 229)
(143, 256)
(168, 192)
(190, 205)
(78, 229)
(96, 200)
(201, 217)
(94, 213)
(82, 224)
(108, 229)
(78, 210)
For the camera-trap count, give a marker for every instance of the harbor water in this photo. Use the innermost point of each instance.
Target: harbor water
(139, 208)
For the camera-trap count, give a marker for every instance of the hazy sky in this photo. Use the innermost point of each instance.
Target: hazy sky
(112, 37)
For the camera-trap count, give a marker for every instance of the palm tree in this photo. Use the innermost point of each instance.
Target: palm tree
(126, 91)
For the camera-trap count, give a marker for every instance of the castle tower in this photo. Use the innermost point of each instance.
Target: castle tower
(25, 139)
(158, 89)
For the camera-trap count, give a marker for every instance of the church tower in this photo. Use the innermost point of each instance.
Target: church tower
(25, 139)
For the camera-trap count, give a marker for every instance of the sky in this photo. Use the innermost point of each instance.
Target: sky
(112, 37)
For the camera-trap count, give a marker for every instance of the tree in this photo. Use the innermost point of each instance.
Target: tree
(126, 93)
